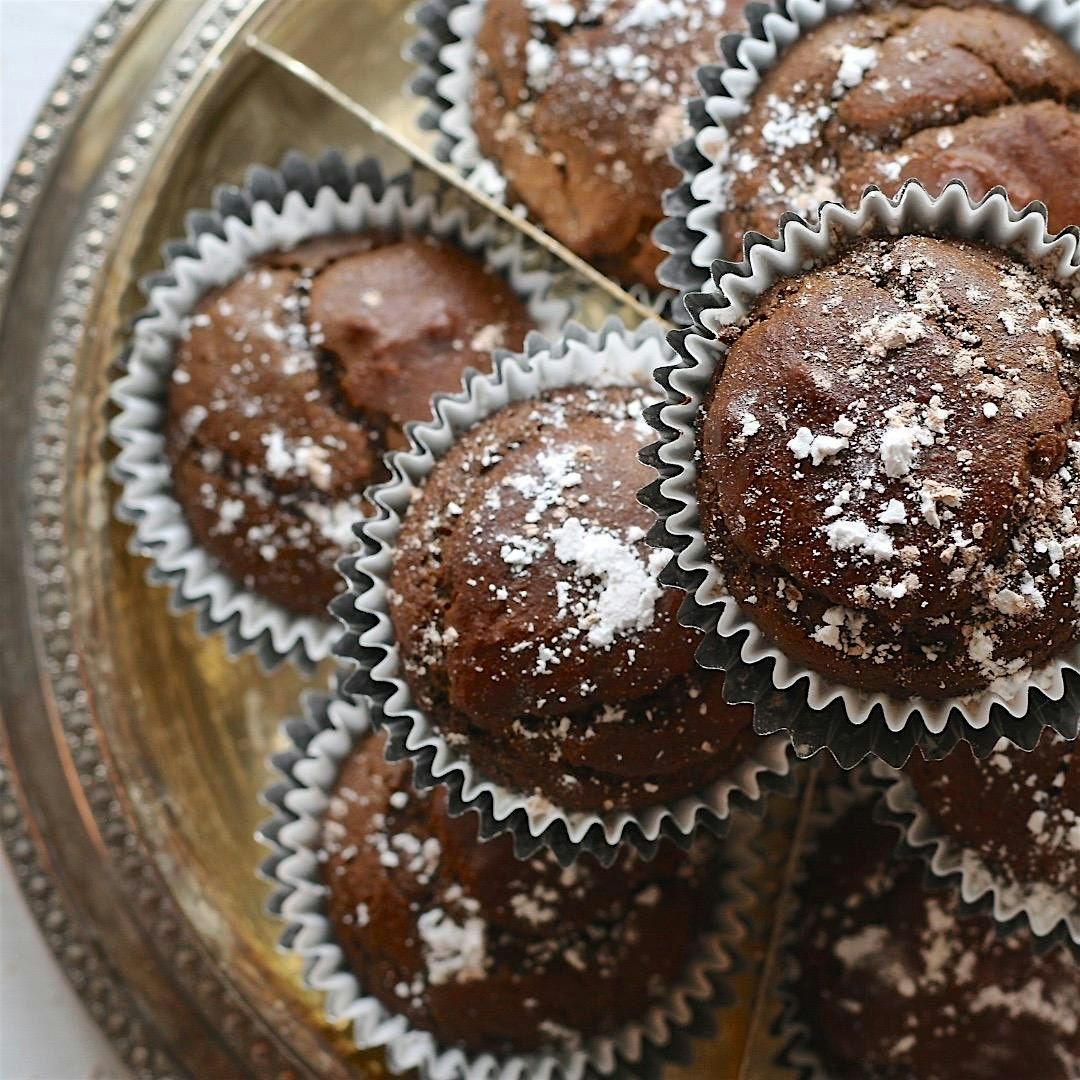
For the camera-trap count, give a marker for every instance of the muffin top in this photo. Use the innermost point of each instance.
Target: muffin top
(487, 951)
(291, 381)
(881, 96)
(579, 103)
(1018, 812)
(893, 984)
(887, 471)
(522, 582)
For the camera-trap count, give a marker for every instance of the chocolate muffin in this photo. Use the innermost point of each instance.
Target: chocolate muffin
(578, 102)
(893, 985)
(291, 381)
(932, 93)
(532, 627)
(888, 468)
(1017, 813)
(490, 953)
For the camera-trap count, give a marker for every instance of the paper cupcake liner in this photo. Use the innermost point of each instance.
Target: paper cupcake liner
(819, 713)
(275, 209)
(611, 356)
(444, 51)
(1050, 916)
(431, 19)
(319, 744)
(691, 232)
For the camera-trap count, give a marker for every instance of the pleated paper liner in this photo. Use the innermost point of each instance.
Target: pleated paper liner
(612, 356)
(319, 744)
(1047, 916)
(691, 232)
(433, 34)
(275, 209)
(787, 697)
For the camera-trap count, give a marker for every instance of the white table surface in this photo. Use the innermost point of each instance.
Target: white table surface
(45, 1034)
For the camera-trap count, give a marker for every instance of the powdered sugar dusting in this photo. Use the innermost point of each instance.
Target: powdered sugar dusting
(628, 590)
(455, 952)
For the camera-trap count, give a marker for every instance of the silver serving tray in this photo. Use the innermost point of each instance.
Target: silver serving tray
(132, 750)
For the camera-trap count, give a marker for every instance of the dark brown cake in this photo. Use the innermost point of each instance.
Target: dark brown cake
(1018, 812)
(888, 468)
(532, 627)
(488, 952)
(894, 986)
(908, 92)
(291, 382)
(578, 103)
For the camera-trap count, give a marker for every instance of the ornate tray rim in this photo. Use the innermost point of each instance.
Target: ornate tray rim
(142, 973)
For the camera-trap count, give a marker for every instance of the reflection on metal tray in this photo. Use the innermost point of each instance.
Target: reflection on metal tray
(132, 750)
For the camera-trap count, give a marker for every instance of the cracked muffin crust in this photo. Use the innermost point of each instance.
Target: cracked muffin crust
(894, 984)
(532, 627)
(980, 93)
(887, 472)
(489, 952)
(291, 381)
(1017, 813)
(578, 103)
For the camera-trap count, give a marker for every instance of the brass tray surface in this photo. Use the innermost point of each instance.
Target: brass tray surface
(132, 751)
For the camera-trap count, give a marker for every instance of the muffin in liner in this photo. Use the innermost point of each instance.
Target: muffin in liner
(1051, 916)
(819, 713)
(836, 794)
(691, 232)
(319, 744)
(611, 356)
(444, 51)
(274, 210)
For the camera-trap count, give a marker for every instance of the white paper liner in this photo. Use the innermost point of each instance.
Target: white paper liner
(732, 638)
(320, 745)
(692, 235)
(445, 50)
(611, 356)
(1050, 914)
(276, 210)
(430, 19)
